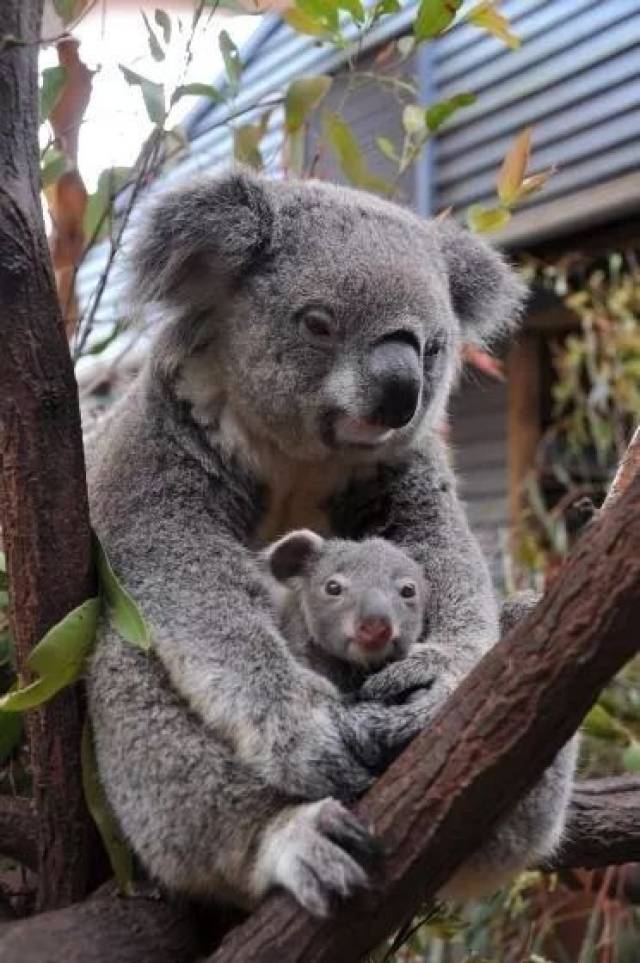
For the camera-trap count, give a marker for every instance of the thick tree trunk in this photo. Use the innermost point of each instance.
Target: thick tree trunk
(43, 501)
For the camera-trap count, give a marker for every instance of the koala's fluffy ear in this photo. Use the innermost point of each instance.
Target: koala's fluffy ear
(209, 231)
(290, 556)
(486, 293)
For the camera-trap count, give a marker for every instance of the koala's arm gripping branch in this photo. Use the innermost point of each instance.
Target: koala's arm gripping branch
(500, 728)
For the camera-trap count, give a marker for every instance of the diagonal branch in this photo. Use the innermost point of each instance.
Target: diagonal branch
(501, 728)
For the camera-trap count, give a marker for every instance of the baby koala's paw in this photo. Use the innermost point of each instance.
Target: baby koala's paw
(411, 679)
(320, 853)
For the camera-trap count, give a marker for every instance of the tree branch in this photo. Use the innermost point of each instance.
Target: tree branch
(501, 728)
(43, 499)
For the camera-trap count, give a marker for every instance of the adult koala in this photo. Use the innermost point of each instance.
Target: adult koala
(310, 340)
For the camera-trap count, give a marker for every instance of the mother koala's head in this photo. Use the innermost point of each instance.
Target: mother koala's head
(319, 317)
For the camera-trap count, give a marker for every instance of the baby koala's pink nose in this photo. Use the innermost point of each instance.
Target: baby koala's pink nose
(373, 633)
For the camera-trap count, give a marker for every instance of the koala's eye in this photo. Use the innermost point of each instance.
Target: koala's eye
(408, 590)
(319, 325)
(333, 587)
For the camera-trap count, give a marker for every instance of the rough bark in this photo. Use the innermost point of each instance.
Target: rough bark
(501, 728)
(18, 830)
(43, 501)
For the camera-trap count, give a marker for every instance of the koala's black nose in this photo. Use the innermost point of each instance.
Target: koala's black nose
(396, 377)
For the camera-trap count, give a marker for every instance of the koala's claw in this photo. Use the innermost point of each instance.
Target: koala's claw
(317, 855)
(347, 831)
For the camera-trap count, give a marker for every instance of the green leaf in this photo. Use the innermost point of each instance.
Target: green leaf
(57, 659)
(485, 16)
(4, 598)
(385, 7)
(123, 610)
(303, 96)
(110, 182)
(119, 853)
(231, 57)
(197, 90)
(3, 562)
(154, 44)
(387, 148)
(485, 219)
(348, 154)
(354, 7)
(631, 757)
(152, 94)
(325, 12)
(10, 734)
(246, 145)
(53, 82)
(600, 723)
(438, 113)
(67, 9)
(434, 16)
(52, 166)
(163, 20)
(302, 23)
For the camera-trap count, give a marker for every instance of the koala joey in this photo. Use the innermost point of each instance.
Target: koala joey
(346, 607)
(308, 337)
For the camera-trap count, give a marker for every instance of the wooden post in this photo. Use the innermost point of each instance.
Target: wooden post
(523, 416)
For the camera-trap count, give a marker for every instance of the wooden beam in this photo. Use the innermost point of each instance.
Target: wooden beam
(523, 416)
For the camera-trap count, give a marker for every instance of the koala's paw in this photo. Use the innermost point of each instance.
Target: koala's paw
(319, 852)
(409, 680)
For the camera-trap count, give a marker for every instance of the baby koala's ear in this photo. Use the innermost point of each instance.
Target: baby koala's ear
(291, 555)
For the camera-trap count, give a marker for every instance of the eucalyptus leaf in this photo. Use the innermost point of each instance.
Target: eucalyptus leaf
(154, 44)
(152, 94)
(110, 182)
(124, 612)
(387, 148)
(68, 9)
(600, 723)
(303, 96)
(119, 853)
(231, 58)
(349, 156)
(197, 90)
(434, 16)
(57, 659)
(631, 757)
(302, 23)
(163, 20)
(53, 82)
(354, 7)
(439, 113)
(485, 219)
(53, 165)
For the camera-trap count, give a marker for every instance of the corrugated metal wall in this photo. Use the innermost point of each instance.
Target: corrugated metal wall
(576, 79)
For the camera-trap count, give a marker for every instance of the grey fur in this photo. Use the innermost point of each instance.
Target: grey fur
(219, 751)
(326, 630)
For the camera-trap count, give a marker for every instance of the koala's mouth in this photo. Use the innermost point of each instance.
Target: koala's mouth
(359, 432)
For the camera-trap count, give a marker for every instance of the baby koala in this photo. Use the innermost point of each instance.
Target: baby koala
(346, 607)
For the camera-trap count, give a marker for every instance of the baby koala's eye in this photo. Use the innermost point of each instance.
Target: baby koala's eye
(318, 325)
(408, 590)
(332, 587)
